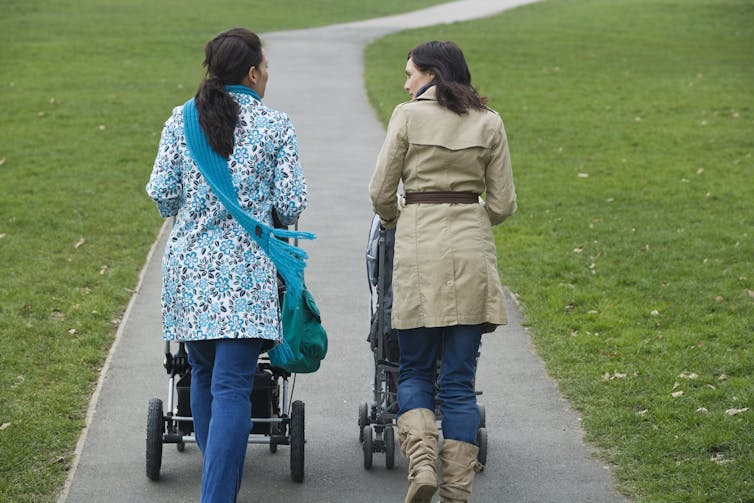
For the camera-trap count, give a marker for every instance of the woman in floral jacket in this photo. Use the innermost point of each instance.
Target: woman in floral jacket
(219, 288)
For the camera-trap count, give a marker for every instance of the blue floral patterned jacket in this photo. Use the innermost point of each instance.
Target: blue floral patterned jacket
(217, 283)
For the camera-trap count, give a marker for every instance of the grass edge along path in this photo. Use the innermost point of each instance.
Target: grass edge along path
(630, 129)
(84, 90)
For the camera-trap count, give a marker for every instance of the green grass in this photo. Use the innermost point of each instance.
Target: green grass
(631, 125)
(84, 90)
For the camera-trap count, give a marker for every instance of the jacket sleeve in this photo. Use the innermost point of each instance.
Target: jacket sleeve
(165, 185)
(290, 196)
(500, 201)
(387, 175)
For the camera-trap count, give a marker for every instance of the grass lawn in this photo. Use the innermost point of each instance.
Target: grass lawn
(631, 125)
(84, 90)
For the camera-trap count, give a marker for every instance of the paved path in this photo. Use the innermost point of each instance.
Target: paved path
(536, 453)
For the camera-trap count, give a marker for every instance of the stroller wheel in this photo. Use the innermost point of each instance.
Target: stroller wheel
(481, 440)
(180, 446)
(154, 438)
(367, 444)
(297, 441)
(274, 432)
(389, 447)
(363, 419)
(482, 416)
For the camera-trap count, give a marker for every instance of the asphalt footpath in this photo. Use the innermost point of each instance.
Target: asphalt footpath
(536, 447)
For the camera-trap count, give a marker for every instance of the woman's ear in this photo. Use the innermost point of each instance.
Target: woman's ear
(250, 78)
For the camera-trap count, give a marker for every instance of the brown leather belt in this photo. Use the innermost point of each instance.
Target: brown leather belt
(441, 197)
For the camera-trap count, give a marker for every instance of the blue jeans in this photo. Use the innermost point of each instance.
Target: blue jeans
(419, 349)
(222, 377)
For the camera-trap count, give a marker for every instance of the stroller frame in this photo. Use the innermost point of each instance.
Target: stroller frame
(284, 426)
(376, 421)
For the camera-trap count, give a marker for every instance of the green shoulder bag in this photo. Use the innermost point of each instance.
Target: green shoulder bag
(304, 333)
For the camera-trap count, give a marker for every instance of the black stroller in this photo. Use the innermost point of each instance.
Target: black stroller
(274, 423)
(277, 420)
(377, 420)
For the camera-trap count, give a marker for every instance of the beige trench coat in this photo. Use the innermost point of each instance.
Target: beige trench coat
(445, 267)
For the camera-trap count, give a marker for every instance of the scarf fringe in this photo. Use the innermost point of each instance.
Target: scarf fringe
(290, 263)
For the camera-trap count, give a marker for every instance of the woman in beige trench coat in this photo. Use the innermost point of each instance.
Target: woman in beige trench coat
(448, 149)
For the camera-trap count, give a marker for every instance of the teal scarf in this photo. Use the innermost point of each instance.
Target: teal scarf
(289, 260)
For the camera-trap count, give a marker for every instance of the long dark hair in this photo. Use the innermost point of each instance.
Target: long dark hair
(452, 77)
(227, 58)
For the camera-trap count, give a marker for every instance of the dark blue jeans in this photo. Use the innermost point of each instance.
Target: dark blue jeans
(419, 348)
(222, 377)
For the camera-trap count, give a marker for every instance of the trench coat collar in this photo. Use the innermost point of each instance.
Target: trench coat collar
(429, 94)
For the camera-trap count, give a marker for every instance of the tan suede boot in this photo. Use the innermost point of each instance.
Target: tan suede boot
(458, 465)
(417, 435)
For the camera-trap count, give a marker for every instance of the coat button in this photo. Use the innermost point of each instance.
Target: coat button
(450, 283)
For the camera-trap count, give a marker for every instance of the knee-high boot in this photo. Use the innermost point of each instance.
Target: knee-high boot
(458, 465)
(417, 435)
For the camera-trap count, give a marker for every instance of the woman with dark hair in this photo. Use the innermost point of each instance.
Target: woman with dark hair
(220, 292)
(447, 148)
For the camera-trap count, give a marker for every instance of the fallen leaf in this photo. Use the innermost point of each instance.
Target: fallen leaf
(642, 412)
(735, 411)
(103, 269)
(4, 426)
(676, 394)
(73, 331)
(710, 386)
(583, 175)
(80, 242)
(102, 127)
(579, 250)
(40, 114)
(750, 293)
(676, 384)
(719, 298)
(688, 375)
(592, 311)
(2, 235)
(719, 458)
(2, 161)
(723, 377)
(655, 312)
(702, 410)
(700, 171)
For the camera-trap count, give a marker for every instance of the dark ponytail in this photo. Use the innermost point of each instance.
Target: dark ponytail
(452, 80)
(228, 58)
